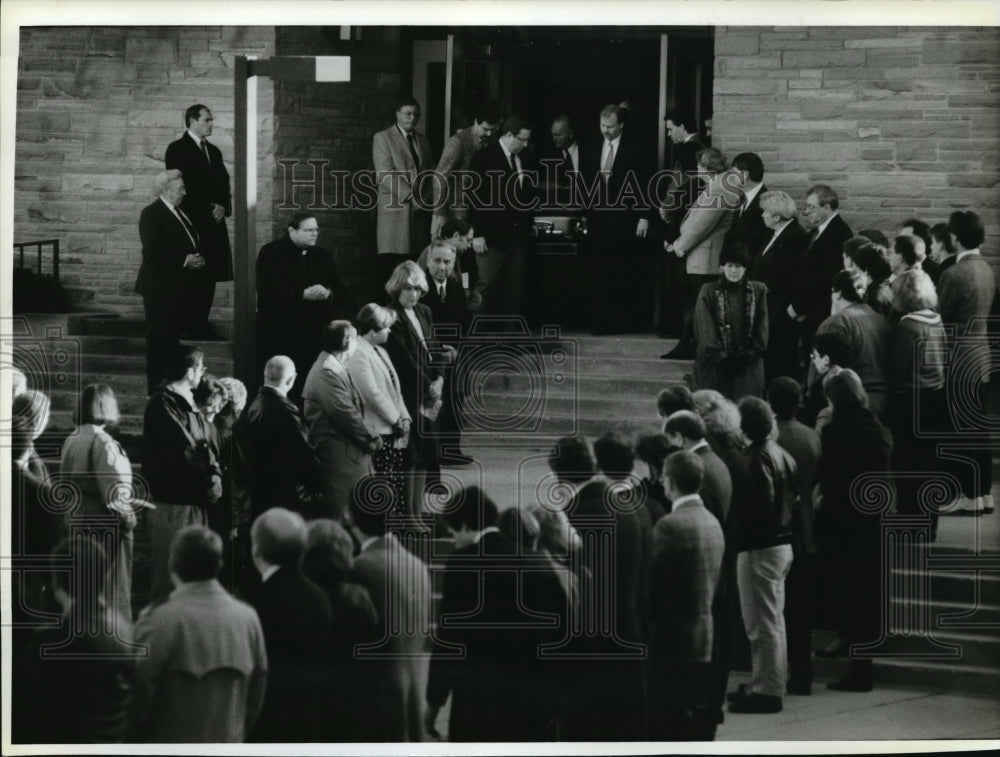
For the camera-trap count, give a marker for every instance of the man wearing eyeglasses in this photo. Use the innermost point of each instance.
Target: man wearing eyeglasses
(298, 293)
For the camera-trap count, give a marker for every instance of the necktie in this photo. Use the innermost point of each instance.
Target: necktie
(413, 149)
(204, 150)
(567, 161)
(441, 291)
(608, 162)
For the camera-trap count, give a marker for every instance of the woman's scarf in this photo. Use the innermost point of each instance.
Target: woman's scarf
(723, 317)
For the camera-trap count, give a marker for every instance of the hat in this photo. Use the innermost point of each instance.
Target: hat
(735, 252)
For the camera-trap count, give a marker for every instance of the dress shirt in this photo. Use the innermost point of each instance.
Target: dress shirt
(777, 233)
(604, 150)
(748, 198)
(822, 227)
(574, 155)
(698, 445)
(185, 221)
(965, 253)
(516, 162)
(687, 499)
(270, 571)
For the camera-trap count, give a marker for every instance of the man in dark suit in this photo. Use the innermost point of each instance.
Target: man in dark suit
(822, 259)
(298, 293)
(621, 261)
(501, 214)
(688, 547)
(172, 272)
(298, 626)
(208, 203)
(283, 467)
(748, 222)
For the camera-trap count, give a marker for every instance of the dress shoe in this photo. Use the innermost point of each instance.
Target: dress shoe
(799, 688)
(742, 691)
(967, 506)
(836, 648)
(680, 352)
(756, 704)
(851, 684)
(987, 504)
(456, 459)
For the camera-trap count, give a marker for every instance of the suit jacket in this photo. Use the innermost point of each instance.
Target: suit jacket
(625, 200)
(449, 198)
(965, 297)
(451, 312)
(716, 486)
(748, 227)
(206, 183)
(779, 267)
(165, 245)
(870, 338)
(282, 461)
(495, 212)
(688, 547)
(378, 383)
(298, 624)
(703, 230)
(400, 587)
(397, 182)
(823, 258)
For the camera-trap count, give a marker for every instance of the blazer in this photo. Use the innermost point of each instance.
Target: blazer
(165, 245)
(778, 267)
(378, 383)
(688, 546)
(823, 257)
(703, 230)
(400, 587)
(630, 172)
(870, 337)
(449, 198)
(748, 227)
(495, 214)
(282, 461)
(965, 296)
(396, 175)
(206, 182)
(453, 311)
(716, 486)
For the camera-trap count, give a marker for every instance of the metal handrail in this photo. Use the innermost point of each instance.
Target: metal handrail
(19, 247)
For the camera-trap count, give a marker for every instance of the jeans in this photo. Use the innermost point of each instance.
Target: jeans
(760, 574)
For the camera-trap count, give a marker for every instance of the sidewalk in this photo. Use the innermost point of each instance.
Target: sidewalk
(893, 714)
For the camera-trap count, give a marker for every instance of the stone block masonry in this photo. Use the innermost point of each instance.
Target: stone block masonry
(900, 121)
(96, 109)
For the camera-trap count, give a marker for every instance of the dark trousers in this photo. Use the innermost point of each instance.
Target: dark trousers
(501, 280)
(163, 326)
(200, 296)
(782, 355)
(798, 633)
(678, 703)
(692, 284)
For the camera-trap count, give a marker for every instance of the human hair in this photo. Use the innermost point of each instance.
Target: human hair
(373, 500)
(778, 202)
(374, 317)
(736, 253)
(163, 179)
(833, 345)
(845, 391)
(614, 454)
(824, 195)
(236, 393)
(920, 229)
(487, 112)
(279, 536)
(620, 113)
(939, 231)
(653, 449)
(329, 553)
(337, 336)
(403, 100)
(712, 159)
(913, 291)
(686, 423)
(785, 395)
(405, 274)
(441, 244)
(572, 459)
(454, 226)
(209, 394)
(721, 417)
(295, 222)
(685, 470)
(681, 117)
(967, 228)
(751, 163)
(97, 405)
(843, 284)
(196, 554)
(851, 246)
(471, 508)
(181, 359)
(515, 124)
(875, 236)
(33, 406)
(910, 248)
(277, 369)
(194, 113)
(674, 398)
(873, 260)
(756, 419)
(562, 118)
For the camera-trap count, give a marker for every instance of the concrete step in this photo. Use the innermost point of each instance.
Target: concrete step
(135, 365)
(966, 586)
(136, 346)
(568, 383)
(115, 325)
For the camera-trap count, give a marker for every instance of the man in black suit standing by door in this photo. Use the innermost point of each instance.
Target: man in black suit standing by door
(748, 225)
(172, 268)
(621, 263)
(207, 204)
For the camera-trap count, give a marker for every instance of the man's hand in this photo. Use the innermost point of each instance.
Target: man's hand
(218, 212)
(664, 214)
(479, 245)
(793, 315)
(194, 261)
(642, 228)
(316, 292)
(450, 353)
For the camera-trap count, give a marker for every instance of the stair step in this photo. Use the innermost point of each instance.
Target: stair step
(569, 383)
(112, 325)
(218, 364)
(959, 586)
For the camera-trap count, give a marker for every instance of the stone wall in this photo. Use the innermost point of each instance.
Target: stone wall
(900, 121)
(96, 109)
(333, 124)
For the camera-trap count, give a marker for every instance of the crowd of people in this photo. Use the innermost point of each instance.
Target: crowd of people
(291, 553)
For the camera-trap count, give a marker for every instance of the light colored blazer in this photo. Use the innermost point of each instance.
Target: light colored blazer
(377, 381)
(397, 176)
(456, 156)
(704, 228)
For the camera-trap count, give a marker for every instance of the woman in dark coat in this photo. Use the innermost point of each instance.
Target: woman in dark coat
(854, 444)
(731, 329)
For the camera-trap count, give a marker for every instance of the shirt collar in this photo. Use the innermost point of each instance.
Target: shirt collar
(506, 152)
(268, 572)
(965, 253)
(487, 530)
(368, 542)
(400, 129)
(748, 196)
(698, 445)
(615, 141)
(822, 227)
(687, 499)
(195, 137)
(165, 201)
